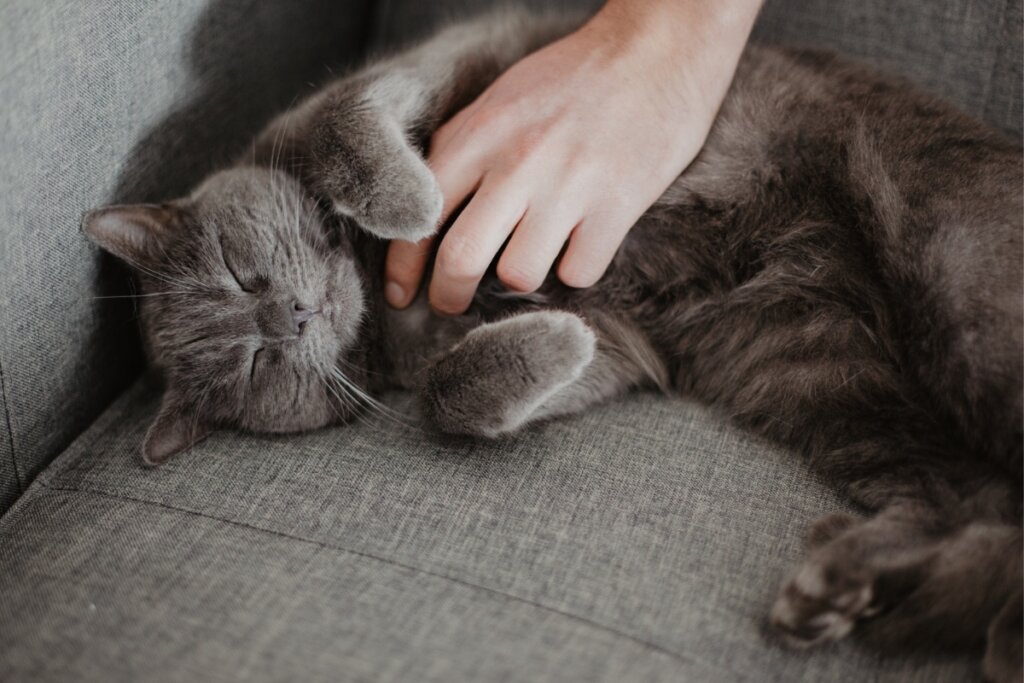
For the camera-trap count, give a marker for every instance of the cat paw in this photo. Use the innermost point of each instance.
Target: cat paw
(400, 201)
(363, 164)
(856, 569)
(822, 602)
(498, 377)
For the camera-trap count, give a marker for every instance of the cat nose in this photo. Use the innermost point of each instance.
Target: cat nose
(301, 314)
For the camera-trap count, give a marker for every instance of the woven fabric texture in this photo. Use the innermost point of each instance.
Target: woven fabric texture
(644, 540)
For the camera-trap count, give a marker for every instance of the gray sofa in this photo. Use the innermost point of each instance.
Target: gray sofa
(641, 541)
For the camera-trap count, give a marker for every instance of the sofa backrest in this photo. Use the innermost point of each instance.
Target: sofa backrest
(966, 51)
(129, 100)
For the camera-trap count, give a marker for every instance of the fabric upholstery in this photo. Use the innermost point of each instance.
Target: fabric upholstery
(117, 102)
(642, 541)
(968, 52)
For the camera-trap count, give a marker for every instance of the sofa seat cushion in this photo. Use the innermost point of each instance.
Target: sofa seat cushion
(643, 540)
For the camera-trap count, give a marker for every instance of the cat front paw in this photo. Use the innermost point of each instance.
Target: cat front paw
(364, 165)
(500, 375)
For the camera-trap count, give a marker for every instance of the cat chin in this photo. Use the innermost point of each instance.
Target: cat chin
(317, 417)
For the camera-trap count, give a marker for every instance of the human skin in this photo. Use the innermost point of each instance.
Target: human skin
(571, 145)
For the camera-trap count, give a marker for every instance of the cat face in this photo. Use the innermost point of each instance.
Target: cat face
(250, 307)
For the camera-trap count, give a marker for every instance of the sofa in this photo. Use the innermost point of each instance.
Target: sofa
(641, 541)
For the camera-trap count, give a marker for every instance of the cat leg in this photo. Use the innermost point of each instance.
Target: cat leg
(906, 577)
(927, 566)
(357, 141)
(532, 366)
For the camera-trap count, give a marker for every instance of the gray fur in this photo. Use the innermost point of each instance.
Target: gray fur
(504, 374)
(839, 270)
(221, 272)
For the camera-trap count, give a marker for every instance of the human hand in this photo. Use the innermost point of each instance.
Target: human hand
(572, 144)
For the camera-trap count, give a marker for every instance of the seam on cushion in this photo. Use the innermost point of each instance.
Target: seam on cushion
(57, 467)
(385, 560)
(10, 429)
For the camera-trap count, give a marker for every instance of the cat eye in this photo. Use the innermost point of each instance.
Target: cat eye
(255, 359)
(238, 280)
(234, 274)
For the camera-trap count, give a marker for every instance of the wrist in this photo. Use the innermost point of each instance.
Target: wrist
(727, 21)
(694, 45)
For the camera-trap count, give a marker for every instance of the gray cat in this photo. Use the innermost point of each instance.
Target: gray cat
(840, 270)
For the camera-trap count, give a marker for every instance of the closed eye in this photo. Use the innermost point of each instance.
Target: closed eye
(238, 280)
(255, 358)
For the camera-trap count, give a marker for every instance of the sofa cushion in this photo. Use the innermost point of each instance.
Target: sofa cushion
(641, 541)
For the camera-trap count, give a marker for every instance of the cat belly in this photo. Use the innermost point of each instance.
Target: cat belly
(415, 336)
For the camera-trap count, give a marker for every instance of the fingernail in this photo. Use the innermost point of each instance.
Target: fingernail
(395, 295)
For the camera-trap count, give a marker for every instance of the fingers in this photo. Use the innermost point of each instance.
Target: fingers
(403, 270)
(457, 167)
(592, 246)
(453, 129)
(471, 243)
(535, 244)
(457, 177)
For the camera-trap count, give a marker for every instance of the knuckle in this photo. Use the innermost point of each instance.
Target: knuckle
(576, 274)
(443, 160)
(519, 278)
(403, 269)
(522, 151)
(488, 117)
(461, 257)
(444, 304)
(441, 136)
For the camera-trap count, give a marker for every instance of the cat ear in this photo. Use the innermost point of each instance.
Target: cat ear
(175, 429)
(135, 233)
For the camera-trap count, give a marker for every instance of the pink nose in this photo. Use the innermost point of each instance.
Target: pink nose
(301, 315)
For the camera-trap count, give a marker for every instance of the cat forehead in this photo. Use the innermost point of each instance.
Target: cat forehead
(245, 190)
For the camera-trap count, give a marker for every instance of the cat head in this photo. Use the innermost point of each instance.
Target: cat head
(251, 305)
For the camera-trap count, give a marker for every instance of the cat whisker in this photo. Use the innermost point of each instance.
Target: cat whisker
(354, 368)
(372, 403)
(141, 296)
(364, 400)
(347, 402)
